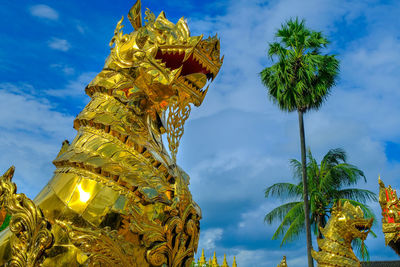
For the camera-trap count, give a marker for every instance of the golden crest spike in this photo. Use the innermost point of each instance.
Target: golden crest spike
(8, 175)
(135, 15)
(162, 15)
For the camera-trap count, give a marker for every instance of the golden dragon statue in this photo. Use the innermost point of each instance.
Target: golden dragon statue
(390, 216)
(117, 198)
(345, 224)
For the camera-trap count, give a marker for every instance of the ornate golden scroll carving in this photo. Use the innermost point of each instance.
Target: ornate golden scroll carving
(32, 235)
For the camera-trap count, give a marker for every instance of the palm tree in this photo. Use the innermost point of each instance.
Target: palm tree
(300, 81)
(328, 183)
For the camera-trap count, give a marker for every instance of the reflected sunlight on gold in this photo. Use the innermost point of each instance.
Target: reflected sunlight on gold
(83, 195)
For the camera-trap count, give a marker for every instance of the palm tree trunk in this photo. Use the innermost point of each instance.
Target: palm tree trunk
(305, 189)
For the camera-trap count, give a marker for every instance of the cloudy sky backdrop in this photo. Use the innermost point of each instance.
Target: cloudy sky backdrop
(237, 142)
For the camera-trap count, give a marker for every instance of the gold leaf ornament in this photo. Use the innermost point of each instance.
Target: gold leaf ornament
(31, 229)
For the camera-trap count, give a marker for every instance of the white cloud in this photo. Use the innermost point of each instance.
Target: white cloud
(81, 28)
(44, 11)
(59, 44)
(31, 131)
(209, 237)
(74, 88)
(67, 70)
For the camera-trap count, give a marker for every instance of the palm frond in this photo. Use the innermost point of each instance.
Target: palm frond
(335, 156)
(296, 211)
(280, 212)
(283, 191)
(361, 249)
(297, 169)
(295, 228)
(360, 195)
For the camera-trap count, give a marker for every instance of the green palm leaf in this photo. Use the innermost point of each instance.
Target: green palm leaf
(283, 191)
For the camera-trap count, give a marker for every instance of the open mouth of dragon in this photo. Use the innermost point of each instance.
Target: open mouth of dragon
(196, 71)
(363, 227)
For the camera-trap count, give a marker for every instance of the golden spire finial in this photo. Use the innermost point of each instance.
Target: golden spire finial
(202, 258)
(224, 263)
(234, 262)
(214, 261)
(381, 184)
(283, 262)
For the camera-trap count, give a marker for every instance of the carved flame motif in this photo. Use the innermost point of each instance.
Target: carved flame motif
(117, 197)
(345, 224)
(178, 114)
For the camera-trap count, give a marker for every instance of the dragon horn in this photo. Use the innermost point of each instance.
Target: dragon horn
(8, 174)
(135, 15)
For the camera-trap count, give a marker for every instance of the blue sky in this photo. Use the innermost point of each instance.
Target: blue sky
(237, 142)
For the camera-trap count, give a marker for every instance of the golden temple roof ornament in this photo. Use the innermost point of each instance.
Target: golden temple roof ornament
(224, 263)
(212, 262)
(202, 258)
(215, 261)
(390, 215)
(234, 262)
(117, 198)
(345, 224)
(283, 262)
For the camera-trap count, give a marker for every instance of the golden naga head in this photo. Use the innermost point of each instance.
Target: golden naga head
(159, 69)
(164, 59)
(351, 222)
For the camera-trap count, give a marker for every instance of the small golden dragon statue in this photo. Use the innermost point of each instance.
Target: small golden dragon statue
(117, 198)
(345, 224)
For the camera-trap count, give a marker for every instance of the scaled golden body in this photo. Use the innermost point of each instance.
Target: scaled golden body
(117, 198)
(345, 224)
